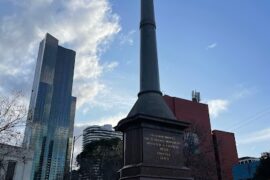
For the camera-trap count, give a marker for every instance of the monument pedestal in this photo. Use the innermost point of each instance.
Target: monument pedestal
(153, 148)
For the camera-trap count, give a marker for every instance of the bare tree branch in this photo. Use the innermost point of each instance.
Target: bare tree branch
(12, 120)
(199, 153)
(12, 117)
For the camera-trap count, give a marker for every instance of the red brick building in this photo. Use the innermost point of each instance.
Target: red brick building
(226, 153)
(210, 155)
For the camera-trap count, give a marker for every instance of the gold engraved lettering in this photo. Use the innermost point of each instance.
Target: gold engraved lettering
(163, 144)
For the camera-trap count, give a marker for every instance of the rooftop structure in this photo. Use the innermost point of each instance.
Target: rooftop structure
(247, 159)
(246, 168)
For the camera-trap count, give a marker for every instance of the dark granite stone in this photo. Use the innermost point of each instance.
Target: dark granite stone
(152, 148)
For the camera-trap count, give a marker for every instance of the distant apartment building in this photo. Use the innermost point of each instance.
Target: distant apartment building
(50, 120)
(94, 133)
(208, 153)
(246, 168)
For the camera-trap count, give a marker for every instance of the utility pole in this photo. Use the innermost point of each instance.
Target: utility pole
(75, 138)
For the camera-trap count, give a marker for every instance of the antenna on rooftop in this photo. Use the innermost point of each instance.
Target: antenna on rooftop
(196, 97)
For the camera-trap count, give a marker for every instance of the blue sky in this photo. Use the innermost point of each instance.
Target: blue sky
(220, 48)
(216, 47)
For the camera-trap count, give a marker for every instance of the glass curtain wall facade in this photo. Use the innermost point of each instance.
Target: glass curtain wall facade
(50, 121)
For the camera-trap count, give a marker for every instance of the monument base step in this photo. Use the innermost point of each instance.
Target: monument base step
(145, 172)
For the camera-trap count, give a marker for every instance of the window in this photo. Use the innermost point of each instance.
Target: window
(10, 170)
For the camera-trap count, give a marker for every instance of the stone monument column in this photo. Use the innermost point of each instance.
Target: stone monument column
(153, 137)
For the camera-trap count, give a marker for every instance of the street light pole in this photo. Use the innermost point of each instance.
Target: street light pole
(75, 138)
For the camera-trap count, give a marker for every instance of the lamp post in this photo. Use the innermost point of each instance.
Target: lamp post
(75, 138)
(24, 164)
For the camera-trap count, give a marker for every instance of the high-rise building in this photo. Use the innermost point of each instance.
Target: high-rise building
(51, 114)
(94, 133)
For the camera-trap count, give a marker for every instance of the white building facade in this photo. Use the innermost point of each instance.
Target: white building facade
(94, 133)
(15, 162)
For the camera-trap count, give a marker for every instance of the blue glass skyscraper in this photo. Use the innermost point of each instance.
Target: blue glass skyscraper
(51, 114)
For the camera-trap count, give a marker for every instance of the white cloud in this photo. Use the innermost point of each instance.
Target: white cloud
(217, 106)
(113, 120)
(242, 94)
(127, 38)
(87, 91)
(256, 137)
(111, 66)
(108, 100)
(243, 91)
(86, 26)
(211, 46)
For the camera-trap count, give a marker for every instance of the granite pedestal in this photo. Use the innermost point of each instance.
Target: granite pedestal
(152, 148)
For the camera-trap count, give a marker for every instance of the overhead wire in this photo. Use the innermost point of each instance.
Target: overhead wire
(250, 119)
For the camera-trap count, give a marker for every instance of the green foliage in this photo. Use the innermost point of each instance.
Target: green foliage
(101, 158)
(263, 170)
